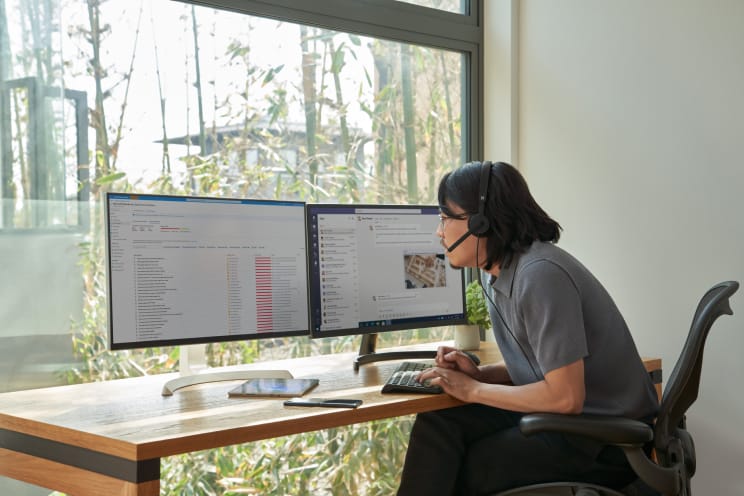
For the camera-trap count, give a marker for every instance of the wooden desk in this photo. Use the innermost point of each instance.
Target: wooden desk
(108, 437)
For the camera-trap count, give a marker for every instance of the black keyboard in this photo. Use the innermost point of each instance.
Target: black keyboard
(403, 379)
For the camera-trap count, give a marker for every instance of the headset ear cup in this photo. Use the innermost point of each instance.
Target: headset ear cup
(478, 224)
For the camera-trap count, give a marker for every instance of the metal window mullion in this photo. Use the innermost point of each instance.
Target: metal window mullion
(7, 194)
(36, 154)
(83, 169)
(378, 18)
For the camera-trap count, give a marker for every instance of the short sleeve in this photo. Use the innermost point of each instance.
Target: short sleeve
(549, 304)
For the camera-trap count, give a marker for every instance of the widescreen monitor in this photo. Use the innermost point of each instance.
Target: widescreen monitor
(376, 268)
(187, 270)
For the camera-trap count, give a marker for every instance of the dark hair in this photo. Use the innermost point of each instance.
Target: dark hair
(515, 218)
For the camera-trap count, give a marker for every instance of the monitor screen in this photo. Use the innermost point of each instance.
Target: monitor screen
(187, 270)
(379, 268)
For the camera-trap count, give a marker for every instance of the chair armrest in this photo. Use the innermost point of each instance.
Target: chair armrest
(605, 429)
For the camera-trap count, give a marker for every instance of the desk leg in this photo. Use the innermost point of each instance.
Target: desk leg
(71, 480)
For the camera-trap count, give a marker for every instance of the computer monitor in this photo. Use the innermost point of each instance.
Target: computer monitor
(377, 268)
(186, 270)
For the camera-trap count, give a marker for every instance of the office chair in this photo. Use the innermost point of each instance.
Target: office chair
(673, 446)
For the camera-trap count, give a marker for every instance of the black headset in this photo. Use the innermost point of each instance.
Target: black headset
(478, 224)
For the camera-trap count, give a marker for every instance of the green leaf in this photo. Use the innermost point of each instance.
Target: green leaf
(338, 61)
(271, 73)
(475, 305)
(110, 178)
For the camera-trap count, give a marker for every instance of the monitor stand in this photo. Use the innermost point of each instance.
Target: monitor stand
(194, 370)
(367, 352)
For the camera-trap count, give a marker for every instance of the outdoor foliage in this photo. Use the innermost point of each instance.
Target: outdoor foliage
(385, 137)
(475, 305)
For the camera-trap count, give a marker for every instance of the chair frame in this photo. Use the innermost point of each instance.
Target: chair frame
(674, 449)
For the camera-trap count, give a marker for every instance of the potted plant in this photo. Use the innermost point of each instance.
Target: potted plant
(468, 337)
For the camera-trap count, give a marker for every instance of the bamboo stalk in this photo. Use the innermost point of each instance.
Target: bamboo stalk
(166, 165)
(409, 121)
(310, 98)
(101, 161)
(197, 84)
(128, 78)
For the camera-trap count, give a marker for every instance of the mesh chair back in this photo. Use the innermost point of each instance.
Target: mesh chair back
(681, 390)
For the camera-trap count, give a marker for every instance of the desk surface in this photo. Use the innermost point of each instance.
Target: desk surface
(129, 418)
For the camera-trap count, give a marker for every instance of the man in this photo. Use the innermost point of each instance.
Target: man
(565, 345)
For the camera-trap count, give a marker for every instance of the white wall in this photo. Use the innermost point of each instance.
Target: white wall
(627, 118)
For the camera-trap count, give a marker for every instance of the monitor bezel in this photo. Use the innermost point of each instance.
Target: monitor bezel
(313, 293)
(131, 345)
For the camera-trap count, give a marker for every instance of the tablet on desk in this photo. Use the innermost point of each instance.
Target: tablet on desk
(274, 387)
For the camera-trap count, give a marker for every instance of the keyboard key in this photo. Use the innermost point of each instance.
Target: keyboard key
(403, 379)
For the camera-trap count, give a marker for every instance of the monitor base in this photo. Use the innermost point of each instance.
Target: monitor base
(367, 353)
(193, 367)
(233, 375)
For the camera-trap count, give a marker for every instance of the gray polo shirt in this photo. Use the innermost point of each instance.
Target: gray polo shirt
(551, 312)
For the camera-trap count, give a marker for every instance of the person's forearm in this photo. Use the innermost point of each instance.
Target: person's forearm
(535, 397)
(562, 391)
(494, 374)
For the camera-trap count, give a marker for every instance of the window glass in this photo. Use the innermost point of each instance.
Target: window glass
(456, 6)
(168, 97)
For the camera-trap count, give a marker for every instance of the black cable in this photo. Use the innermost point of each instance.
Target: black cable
(498, 312)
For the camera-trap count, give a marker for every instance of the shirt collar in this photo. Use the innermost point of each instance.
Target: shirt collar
(504, 283)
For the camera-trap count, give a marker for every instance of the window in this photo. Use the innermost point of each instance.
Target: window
(457, 6)
(330, 100)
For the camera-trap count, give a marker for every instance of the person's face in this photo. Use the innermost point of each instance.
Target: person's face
(451, 228)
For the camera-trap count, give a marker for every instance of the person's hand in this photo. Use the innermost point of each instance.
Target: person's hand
(454, 372)
(453, 382)
(454, 359)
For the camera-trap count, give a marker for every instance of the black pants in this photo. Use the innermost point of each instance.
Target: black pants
(475, 449)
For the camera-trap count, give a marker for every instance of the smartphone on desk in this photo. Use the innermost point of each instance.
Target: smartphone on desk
(324, 402)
